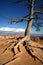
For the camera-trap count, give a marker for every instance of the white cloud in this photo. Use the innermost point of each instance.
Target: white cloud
(12, 29)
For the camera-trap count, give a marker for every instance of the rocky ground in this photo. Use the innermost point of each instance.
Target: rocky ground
(12, 55)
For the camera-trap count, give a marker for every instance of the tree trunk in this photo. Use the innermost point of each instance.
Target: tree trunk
(29, 24)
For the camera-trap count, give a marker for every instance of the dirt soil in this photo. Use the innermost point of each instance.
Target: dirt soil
(10, 55)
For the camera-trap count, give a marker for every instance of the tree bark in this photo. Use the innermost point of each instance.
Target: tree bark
(29, 24)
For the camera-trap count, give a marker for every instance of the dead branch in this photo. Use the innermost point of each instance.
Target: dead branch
(40, 12)
(25, 19)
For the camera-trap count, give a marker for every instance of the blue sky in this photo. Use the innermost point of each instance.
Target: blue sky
(9, 9)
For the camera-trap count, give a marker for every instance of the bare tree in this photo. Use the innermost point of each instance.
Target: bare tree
(30, 17)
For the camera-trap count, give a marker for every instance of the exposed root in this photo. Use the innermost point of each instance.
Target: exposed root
(15, 44)
(30, 45)
(27, 46)
(14, 58)
(36, 47)
(21, 41)
(31, 50)
(13, 51)
(10, 60)
(18, 48)
(12, 44)
(35, 57)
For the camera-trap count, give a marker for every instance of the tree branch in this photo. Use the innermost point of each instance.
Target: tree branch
(19, 20)
(39, 24)
(27, 19)
(40, 12)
